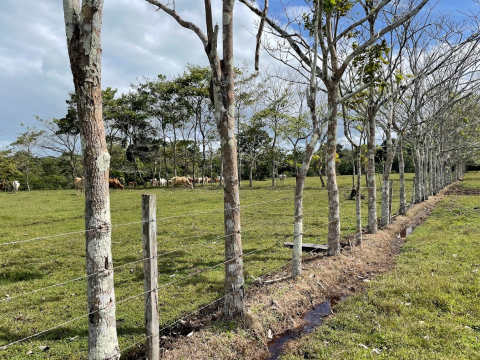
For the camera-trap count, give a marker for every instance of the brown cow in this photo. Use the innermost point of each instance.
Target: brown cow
(133, 184)
(79, 185)
(2, 186)
(181, 180)
(115, 184)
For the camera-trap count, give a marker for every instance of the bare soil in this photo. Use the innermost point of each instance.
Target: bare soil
(276, 307)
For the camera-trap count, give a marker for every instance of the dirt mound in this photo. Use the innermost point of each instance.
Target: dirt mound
(462, 191)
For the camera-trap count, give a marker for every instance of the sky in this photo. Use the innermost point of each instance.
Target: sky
(137, 42)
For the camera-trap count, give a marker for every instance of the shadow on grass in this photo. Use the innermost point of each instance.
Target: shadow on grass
(15, 275)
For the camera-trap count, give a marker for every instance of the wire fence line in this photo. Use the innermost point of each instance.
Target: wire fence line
(38, 238)
(140, 294)
(141, 260)
(116, 268)
(113, 226)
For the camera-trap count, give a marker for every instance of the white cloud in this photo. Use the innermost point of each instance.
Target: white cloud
(137, 41)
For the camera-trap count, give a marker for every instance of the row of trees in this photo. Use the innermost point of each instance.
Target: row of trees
(164, 127)
(376, 64)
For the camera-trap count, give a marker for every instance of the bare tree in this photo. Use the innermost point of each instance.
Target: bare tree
(223, 99)
(83, 28)
(335, 55)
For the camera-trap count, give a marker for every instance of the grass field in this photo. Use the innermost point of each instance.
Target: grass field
(190, 221)
(428, 307)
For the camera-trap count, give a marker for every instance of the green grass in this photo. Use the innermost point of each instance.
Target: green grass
(199, 238)
(428, 307)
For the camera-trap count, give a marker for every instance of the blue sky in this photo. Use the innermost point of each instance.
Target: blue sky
(137, 41)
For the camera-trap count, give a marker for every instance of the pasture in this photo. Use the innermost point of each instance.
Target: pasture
(189, 234)
(427, 307)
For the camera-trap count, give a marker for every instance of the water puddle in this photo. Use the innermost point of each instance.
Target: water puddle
(406, 231)
(313, 319)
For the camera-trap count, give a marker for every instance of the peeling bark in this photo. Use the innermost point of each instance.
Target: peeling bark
(371, 183)
(83, 29)
(401, 174)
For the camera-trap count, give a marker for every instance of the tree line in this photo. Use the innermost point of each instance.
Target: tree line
(164, 128)
(377, 68)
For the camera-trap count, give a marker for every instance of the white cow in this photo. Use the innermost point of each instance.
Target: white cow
(16, 185)
(162, 182)
(282, 177)
(79, 185)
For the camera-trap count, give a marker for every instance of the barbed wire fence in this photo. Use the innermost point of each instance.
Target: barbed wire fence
(345, 217)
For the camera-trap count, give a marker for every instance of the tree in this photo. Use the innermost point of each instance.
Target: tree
(247, 91)
(8, 165)
(277, 107)
(223, 100)
(335, 55)
(253, 143)
(83, 28)
(62, 136)
(194, 85)
(26, 147)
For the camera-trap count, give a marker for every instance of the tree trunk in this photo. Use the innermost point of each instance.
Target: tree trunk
(203, 163)
(401, 175)
(174, 152)
(425, 171)
(358, 198)
(223, 90)
(371, 183)
(387, 169)
(418, 174)
(250, 177)
(195, 150)
(332, 189)
(83, 28)
(165, 157)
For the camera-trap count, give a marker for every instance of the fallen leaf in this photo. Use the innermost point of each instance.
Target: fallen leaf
(269, 334)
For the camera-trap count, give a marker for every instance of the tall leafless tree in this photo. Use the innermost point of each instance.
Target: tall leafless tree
(223, 99)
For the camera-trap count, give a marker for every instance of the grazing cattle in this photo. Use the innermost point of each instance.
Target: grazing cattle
(154, 182)
(115, 184)
(170, 182)
(162, 182)
(282, 177)
(2, 186)
(132, 183)
(219, 178)
(181, 180)
(79, 184)
(15, 185)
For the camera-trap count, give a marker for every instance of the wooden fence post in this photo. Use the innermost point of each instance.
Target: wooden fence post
(150, 271)
(390, 195)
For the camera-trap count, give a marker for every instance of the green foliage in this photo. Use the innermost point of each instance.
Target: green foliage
(8, 166)
(336, 8)
(370, 62)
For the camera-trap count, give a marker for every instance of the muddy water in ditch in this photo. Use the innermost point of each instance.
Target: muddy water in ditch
(406, 231)
(313, 318)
